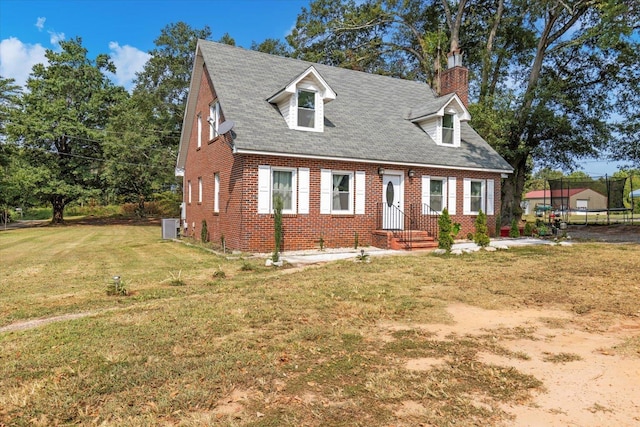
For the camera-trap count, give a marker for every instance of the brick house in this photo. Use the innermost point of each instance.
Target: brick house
(353, 155)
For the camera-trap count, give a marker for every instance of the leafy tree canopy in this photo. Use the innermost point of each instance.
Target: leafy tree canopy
(65, 104)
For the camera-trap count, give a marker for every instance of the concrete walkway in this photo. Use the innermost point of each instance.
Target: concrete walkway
(335, 254)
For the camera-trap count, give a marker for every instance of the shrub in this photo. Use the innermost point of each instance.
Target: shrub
(277, 226)
(219, 273)
(481, 236)
(445, 237)
(117, 288)
(204, 232)
(528, 229)
(514, 231)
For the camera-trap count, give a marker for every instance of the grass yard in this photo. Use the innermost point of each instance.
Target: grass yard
(288, 347)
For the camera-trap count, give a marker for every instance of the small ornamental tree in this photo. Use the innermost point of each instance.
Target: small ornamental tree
(277, 226)
(514, 231)
(445, 226)
(204, 232)
(481, 237)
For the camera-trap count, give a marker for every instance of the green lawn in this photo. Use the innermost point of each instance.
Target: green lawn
(265, 347)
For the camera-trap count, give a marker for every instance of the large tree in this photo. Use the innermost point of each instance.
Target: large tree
(65, 104)
(163, 85)
(138, 165)
(549, 78)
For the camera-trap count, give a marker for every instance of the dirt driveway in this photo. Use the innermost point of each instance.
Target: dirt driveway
(590, 377)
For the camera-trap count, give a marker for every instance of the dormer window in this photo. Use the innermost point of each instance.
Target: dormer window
(301, 102)
(447, 129)
(306, 108)
(441, 119)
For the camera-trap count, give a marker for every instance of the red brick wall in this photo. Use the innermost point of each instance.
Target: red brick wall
(214, 156)
(456, 80)
(244, 229)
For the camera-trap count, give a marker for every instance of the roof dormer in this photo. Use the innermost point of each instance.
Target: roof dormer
(441, 119)
(301, 102)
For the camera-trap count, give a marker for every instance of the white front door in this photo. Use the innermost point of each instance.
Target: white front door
(392, 206)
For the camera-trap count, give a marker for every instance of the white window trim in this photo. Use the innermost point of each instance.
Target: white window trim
(326, 192)
(189, 191)
(487, 201)
(216, 192)
(318, 104)
(199, 189)
(294, 189)
(456, 129)
(214, 119)
(303, 190)
(199, 130)
(426, 193)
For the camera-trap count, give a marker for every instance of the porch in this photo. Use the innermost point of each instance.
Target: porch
(413, 228)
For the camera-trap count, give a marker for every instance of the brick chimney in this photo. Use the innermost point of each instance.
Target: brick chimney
(455, 78)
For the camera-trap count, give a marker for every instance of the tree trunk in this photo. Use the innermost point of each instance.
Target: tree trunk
(140, 212)
(512, 188)
(58, 203)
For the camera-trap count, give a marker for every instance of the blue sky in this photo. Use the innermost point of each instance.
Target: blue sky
(126, 29)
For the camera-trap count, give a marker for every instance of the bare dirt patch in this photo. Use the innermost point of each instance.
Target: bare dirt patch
(586, 380)
(618, 233)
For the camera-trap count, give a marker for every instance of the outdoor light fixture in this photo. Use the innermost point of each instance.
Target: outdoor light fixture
(380, 170)
(411, 173)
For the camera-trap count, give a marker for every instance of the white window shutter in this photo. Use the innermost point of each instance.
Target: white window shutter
(426, 193)
(451, 188)
(490, 198)
(303, 190)
(360, 192)
(466, 205)
(325, 191)
(264, 189)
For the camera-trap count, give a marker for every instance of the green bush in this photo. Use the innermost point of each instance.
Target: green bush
(528, 229)
(204, 232)
(445, 228)
(514, 231)
(277, 227)
(481, 236)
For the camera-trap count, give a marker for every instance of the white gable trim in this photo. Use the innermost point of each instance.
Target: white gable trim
(454, 105)
(326, 93)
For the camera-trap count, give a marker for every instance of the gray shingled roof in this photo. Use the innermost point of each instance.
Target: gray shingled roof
(367, 121)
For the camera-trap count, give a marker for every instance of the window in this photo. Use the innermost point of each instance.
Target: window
(189, 191)
(199, 189)
(282, 182)
(341, 197)
(214, 118)
(216, 192)
(306, 108)
(282, 185)
(479, 195)
(447, 129)
(436, 195)
(476, 196)
(199, 130)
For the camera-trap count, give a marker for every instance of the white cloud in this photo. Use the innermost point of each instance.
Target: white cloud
(128, 61)
(55, 38)
(17, 59)
(40, 23)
